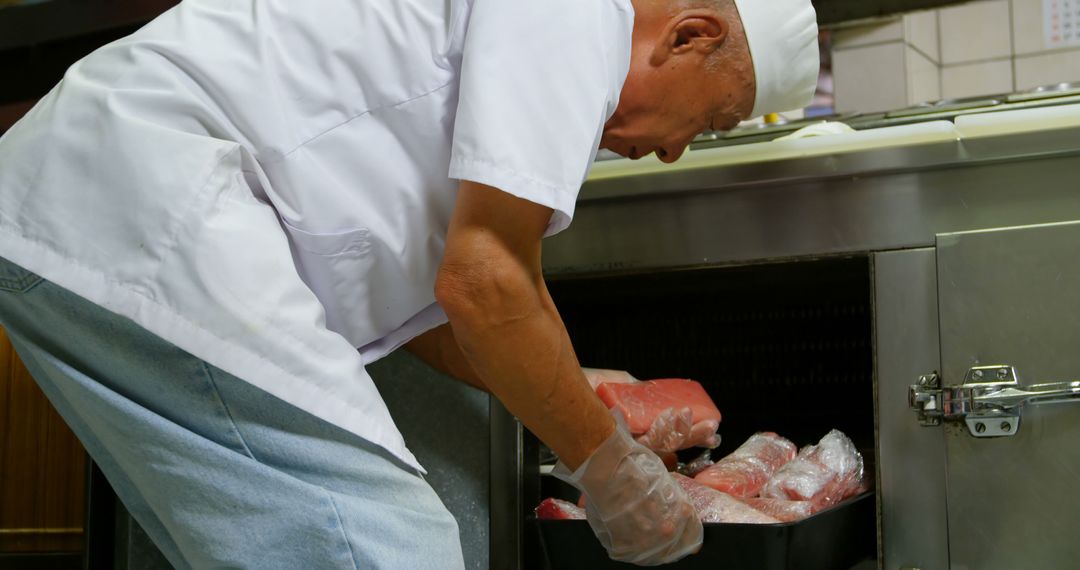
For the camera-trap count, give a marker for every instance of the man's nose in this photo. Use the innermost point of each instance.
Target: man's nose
(671, 153)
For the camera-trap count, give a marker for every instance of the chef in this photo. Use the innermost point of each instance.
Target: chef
(209, 228)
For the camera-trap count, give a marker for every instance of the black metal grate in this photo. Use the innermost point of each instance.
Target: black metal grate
(780, 347)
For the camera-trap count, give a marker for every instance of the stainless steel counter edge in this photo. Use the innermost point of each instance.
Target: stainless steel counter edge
(880, 200)
(881, 161)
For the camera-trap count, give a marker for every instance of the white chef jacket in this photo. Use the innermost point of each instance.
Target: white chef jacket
(268, 184)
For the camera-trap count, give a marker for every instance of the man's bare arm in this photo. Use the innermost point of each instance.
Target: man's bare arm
(440, 350)
(506, 324)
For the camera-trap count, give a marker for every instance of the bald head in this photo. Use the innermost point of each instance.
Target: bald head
(690, 71)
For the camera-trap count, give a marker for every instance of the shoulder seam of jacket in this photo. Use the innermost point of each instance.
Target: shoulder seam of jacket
(359, 115)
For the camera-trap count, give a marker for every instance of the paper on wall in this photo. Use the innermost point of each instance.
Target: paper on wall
(1061, 23)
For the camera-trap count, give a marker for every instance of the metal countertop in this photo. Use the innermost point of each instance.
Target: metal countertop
(831, 204)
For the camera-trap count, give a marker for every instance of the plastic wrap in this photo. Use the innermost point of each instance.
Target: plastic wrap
(675, 429)
(783, 509)
(641, 402)
(712, 506)
(558, 509)
(745, 471)
(824, 474)
(598, 376)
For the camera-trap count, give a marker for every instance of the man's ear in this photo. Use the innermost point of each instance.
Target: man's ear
(701, 31)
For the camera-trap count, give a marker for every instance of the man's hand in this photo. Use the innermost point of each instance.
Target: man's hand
(673, 430)
(637, 510)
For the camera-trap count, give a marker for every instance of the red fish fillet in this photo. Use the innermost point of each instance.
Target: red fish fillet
(641, 402)
(558, 509)
(743, 473)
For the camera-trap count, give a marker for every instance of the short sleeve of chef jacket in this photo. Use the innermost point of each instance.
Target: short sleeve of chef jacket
(538, 81)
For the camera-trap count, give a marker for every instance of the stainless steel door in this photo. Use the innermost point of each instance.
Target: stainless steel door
(910, 459)
(1012, 296)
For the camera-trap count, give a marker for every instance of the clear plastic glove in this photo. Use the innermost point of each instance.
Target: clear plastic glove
(638, 511)
(673, 429)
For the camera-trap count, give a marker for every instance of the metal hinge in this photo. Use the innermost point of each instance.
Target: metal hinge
(989, 401)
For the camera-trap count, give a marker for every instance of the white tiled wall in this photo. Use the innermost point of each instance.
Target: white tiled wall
(1027, 23)
(886, 65)
(975, 31)
(921, 31)
(979, 78)
(1047, 68)
(923, 78)
(983, 47)
(888, 31)
(870, 78)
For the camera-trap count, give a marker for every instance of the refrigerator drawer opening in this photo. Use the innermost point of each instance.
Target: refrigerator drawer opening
(784, 347)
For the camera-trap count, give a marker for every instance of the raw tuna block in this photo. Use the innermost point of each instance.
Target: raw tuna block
(641, 402)
(712, 506)
(743, 473)
(824, 474)
(671, 461)
(558, 509)
(782, 509)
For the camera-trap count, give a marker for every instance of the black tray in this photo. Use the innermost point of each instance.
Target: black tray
(834, 539)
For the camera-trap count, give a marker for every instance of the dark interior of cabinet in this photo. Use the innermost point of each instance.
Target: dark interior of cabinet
(781, 347)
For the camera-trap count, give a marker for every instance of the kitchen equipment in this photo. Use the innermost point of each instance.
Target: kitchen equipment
(945, 106)
(1052, 91)
(989, 402)
(810, 286)
(738, 331)
(1057, 94)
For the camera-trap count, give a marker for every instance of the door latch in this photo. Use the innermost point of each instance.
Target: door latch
(989, 401)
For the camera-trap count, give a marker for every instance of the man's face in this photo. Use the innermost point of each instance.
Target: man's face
(672, 93)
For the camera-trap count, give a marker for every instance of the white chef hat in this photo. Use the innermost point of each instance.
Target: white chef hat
(783, 38)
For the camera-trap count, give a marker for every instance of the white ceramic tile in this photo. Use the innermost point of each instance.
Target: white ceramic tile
(921, 31)
(867, 34)
(870, 78)
(975, 31)
(923, 78)
(1027, 26)
(1047, 68)
(983, 78)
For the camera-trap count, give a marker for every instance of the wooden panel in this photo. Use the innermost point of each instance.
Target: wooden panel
(42, 467)
(11, 113)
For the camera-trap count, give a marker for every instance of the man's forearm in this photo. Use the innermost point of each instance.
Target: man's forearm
(514, 340)
(492, 288)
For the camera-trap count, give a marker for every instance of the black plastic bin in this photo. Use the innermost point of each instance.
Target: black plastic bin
(834, 539)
